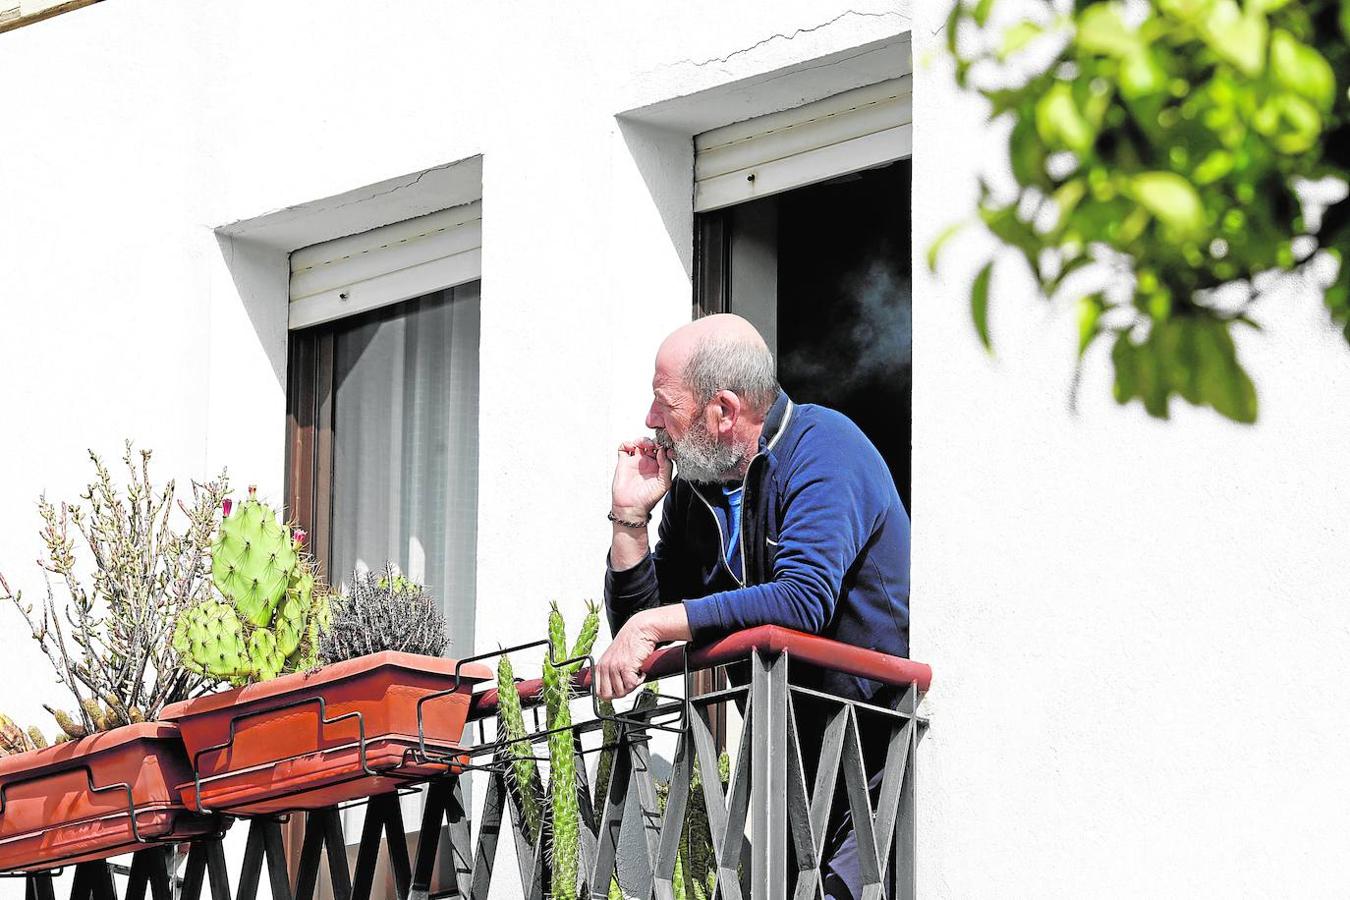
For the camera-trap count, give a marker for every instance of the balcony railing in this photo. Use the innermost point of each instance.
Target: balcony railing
(766, 826)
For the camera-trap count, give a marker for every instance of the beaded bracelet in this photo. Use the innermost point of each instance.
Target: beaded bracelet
(626, 524)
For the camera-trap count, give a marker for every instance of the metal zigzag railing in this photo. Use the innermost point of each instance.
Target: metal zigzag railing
(803, 755)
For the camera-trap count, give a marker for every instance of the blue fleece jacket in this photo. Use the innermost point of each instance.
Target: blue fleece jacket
(824, 541)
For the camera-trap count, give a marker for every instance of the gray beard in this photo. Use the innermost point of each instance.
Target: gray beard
(703, 459)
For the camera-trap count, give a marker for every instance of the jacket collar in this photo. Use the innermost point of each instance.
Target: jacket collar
(775, 422)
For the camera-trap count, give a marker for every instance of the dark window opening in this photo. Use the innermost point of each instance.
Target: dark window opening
(824, 272)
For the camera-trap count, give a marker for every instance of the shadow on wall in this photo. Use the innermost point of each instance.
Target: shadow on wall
(261, 276)
(665, 159)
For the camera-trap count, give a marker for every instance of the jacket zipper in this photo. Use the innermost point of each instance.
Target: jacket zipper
(721, 538)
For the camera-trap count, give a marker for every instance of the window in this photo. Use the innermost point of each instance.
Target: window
(382, 450)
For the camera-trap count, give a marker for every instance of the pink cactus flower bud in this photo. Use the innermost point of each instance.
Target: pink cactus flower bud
(300, 536)
(226, 506)
(252, 492)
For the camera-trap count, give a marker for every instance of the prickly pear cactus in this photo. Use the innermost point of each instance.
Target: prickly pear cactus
(272, 611)
(254, 560)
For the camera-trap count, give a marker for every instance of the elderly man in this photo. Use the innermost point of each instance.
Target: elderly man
(780, 514)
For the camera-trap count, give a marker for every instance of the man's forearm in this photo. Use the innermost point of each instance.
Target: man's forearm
(668, 623)
(619, 670)
(627, 546)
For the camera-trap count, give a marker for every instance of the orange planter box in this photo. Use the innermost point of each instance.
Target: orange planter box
(295, 742)
(73, 802)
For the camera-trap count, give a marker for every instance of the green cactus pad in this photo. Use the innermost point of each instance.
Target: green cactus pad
(265, 655)
(253, 561)
(293, 613)
(209, 640)
(321, 614)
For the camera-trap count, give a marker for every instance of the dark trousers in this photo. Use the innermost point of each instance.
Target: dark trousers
(841, 870)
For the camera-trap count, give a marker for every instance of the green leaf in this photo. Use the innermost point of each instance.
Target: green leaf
(1067, 197)
(954, 20)
(936, 247)
(981, 14)
(1141, 75)
(1172, 200)
(1213, 167)
(1302, 69)
(1089, 317)
(1018, 36)
(1345, 18)
(1337, 297)
(1182, 348)
(1237, 36)
(1059, 122)
(1293, 124)
(1154, 389)
(1224, 384)
(1186, 10)
(1123, 358)
(1337, 294)
(979, 303)
(1027, 154)
(1101, 30)
(1140, 374)
(1009, 229)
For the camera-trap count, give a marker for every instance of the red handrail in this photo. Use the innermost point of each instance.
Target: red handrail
(809, 648)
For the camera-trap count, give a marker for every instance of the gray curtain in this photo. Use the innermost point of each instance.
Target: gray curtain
(405, 455)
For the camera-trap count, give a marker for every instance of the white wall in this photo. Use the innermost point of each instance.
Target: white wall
(1138, 629)
(140, 128)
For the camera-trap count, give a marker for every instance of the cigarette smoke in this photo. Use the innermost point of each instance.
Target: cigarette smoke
(869, 339)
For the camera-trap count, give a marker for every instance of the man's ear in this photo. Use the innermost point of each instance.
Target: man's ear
(727, 407)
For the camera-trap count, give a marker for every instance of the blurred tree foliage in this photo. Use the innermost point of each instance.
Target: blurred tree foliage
(1169, 140)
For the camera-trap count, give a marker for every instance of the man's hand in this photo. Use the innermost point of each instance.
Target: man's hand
(641, 477)
(619, 671)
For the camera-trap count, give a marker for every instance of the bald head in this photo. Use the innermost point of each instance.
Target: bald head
(721, 353)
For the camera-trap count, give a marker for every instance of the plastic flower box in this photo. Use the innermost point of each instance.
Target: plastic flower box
(316, 739)
(96, 797)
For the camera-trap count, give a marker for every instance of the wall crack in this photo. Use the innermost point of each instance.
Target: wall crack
(781, 36)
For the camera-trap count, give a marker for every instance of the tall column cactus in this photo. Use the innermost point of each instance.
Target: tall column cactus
(523, 773)
(564, 810)
(271, 612)
(604, 769)
(562, 777)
